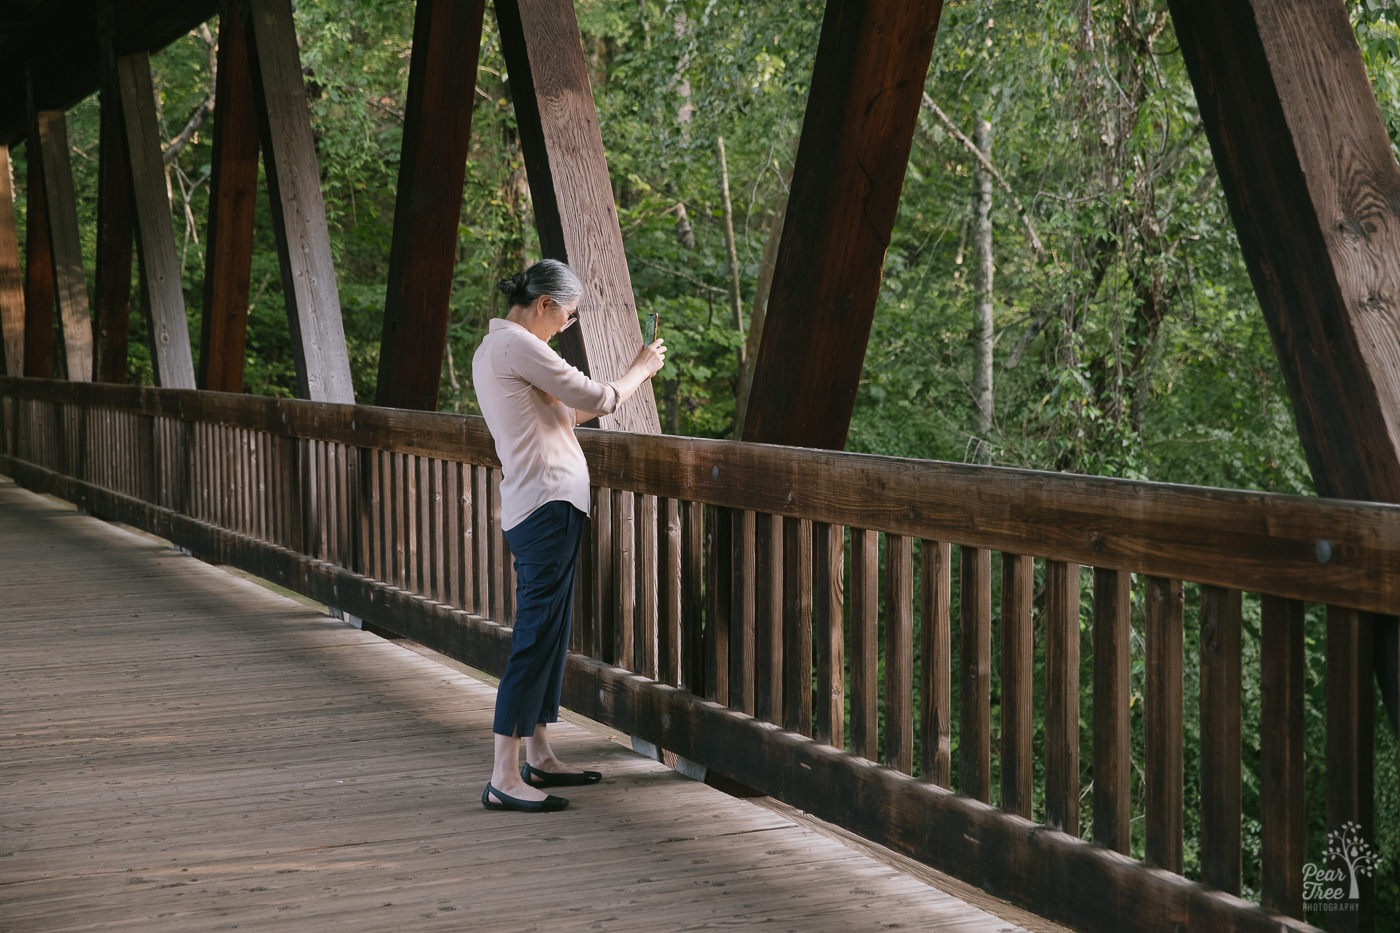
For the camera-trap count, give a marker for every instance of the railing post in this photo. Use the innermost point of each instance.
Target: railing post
(1283, 830)
(1017, 684)
(1112, 739)
(1062, 696)
(1220, 738)
(1351, 822)
(1164, 723)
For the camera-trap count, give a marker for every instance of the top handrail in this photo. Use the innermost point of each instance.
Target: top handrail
(1335, 552)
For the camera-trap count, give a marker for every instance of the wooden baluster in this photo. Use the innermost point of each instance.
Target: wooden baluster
(1164, 723)
(604, 577)
(1220, 738)
(692, 601)
(1112, 737)
(624, 562)
(719, 563)
(451, 530)
(829, 642)
(975, 676)
(865, 646)
(501, 559)
(1062, 696)
(899, 653)
(741, 634)
(1283, 833)
(1017, 683)
(648, 589)
(670, 593)
(936, 695)
(797, 625)
(768, 618)
(481, 538)
(1351, 750)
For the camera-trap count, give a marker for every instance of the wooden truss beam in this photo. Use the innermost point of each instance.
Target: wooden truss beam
(70, 281)
(233, 192)
(867, 85)
(11, 274)
(116, 228)
(162, 290)
(572, 194)
(298, 206)
(436, 134)
(39, 298)
(1314, 190)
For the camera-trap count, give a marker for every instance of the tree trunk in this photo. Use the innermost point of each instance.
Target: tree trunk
(982, 284)
(736, 300)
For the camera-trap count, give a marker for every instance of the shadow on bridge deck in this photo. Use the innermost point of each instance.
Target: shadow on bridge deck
(182, 748)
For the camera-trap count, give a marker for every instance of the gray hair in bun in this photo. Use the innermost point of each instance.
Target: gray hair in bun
(546, 277)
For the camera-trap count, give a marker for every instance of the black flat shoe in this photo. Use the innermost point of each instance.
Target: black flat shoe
(537, 778)
(549, 804)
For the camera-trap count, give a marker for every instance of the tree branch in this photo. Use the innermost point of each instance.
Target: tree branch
(991, 169)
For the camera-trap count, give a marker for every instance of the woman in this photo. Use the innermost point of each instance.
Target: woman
(532, 400)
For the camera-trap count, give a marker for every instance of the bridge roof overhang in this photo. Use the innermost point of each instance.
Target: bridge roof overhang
(56, 41)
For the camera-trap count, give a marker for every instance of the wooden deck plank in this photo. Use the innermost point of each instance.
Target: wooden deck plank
(183, 748)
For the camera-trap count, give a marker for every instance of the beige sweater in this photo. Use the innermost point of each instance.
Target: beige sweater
(528, 394)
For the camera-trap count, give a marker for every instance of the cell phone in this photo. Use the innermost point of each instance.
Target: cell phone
(653, 327)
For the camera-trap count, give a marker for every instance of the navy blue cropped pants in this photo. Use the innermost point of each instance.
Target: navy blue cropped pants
(545, 546)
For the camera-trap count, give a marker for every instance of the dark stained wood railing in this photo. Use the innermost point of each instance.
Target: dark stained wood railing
(819, 626)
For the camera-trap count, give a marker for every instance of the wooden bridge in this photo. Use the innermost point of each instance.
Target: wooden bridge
(185, 749)
(791, 620)
(897, 647)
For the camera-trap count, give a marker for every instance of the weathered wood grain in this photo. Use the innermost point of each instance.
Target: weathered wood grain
(233, 190)
(298, 207)
(428, 201)
(70, 279)
(11, 274)
(1112, 737)
(161, 279)
(192, 750)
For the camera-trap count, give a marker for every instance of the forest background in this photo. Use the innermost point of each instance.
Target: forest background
(1063, 289)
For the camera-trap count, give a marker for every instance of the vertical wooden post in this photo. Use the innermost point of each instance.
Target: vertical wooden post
(39, 297)
(1220, 738)
(1112, 738)
(1283, 830)
(1351, 746)
(862, 109)
(936, 699)
(1165, 769)
(865, 643)
(11, 275)
(829, 646)
(233, 189)
(432, 168)
(1062, 696)
(161, 285)
(70, 282)
(572, 193)
(298, 207)
(115, 233)
(1017, 684)
(798, 578)
(975, 676)
(899, 653)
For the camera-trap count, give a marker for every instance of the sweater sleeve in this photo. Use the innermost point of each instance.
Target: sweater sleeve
(535, 362)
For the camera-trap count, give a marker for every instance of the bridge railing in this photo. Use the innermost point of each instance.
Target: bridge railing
(897, 646)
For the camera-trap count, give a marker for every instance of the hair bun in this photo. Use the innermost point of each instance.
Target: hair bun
(512, 285)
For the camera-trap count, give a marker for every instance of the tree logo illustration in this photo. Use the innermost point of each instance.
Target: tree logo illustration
(1347, 845)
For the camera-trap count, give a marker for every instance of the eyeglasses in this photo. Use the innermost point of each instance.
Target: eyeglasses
(570, 317)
